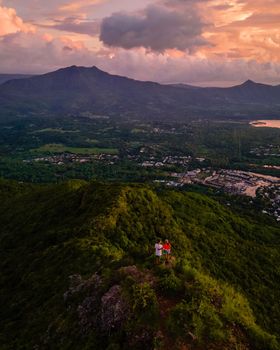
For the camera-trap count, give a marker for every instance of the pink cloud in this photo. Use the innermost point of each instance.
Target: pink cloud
(29, 53)
(47, 37)
(11, 23)
(73, 24)
(244, 37)
(76, 5)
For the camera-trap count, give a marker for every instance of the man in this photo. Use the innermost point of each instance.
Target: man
(158, 251)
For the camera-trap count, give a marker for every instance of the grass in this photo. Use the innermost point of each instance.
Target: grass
(92, 141)
(59, 148)
(61, 131)
(101, 230)
(138, 131)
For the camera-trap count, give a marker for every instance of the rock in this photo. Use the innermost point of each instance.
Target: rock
(88, 314)
(80, 286)
(83, 297)
(114, 309)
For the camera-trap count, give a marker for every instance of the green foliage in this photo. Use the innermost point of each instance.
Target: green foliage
(51, 232)
(262, 339)
(200, 321)
(58, 148)
(241, 251)
(144, 297)
(224, 144)
(170, 285)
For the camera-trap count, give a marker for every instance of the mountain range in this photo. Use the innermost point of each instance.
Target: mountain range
(7, 77)
(84, 91)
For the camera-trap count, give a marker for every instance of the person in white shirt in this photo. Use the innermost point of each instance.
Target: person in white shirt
(158, 250)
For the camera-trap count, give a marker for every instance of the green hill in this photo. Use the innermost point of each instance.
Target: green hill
(78, 272)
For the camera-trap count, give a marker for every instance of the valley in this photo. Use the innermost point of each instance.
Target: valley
(94, 169)
(44, 150)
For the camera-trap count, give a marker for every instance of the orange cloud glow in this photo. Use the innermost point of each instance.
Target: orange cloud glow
(234, 39)
(71, 44)
(78, 4)
(243, 29)
(48, 37)
(10, 23)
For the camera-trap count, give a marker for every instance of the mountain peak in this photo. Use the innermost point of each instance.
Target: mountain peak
(75, 68)
(252, 84)
(249, 83)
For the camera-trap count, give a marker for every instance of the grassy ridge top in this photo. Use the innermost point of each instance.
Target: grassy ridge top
(104, 234)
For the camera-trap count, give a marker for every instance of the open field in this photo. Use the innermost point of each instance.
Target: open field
(59, 148)
(61, 131)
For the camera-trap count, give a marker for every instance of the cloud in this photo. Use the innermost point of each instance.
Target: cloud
(166, 41)
(246, 30)
(75, 24)
(11, 23)
(36, 53)
(74, 6)
(33, 53)
(189, 69)
(158, 27)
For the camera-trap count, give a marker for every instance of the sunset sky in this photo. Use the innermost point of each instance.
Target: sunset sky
(203, 42)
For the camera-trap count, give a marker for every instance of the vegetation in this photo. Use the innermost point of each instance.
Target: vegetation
(77, 258)
(58, 148)
(234, 145)
(90, 91)
(78, 270)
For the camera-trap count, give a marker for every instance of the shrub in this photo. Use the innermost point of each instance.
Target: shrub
(170, 285)
(180, 320)
(189, 273)
(144, 297)
(210, 326)
(202, 321)
(113, 346)
(263, 340)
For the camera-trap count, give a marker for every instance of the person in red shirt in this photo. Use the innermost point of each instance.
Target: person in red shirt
(166, 250)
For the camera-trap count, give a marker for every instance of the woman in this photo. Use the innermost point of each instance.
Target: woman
(167, 250)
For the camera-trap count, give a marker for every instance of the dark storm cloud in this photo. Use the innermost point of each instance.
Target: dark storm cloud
(158, 27)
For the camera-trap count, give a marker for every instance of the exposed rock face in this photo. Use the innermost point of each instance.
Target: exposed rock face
(96, 310)
(88, 314)
(78, 286)
(114, 309)
(83, 297)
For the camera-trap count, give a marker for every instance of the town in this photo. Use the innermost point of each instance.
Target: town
(235, 182)
(65, 158)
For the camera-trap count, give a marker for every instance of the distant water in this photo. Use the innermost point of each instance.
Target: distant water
(266, 123)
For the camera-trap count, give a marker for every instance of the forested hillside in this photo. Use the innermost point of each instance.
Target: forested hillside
(84, 91)
(78, 271)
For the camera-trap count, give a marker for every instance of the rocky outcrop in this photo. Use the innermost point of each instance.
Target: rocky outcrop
(115, 309)
(96, 310)
(79, 287)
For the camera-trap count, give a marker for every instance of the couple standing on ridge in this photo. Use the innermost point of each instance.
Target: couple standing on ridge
(164, 249)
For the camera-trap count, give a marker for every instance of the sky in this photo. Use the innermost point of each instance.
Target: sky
(200, 42)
